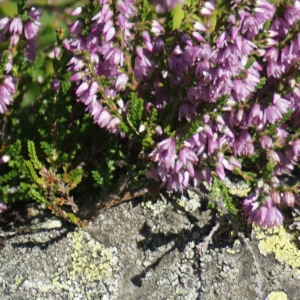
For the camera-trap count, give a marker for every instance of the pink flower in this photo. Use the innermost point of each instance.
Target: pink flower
(296, 147)
(281, 104)
(269, 215)
(34, 13)
(256, 115)
(187, 158)
(16, 25)
(165, 154)
(56, 84)
(220, 171)
(121, 82)
(243, 145)
(31, 28)
(288, 198)
(272, 114)
(3, 207)
(275, 196)
(266, 142)
(77, 11)
(152, 173)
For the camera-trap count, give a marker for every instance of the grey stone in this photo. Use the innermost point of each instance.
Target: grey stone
(140, 250)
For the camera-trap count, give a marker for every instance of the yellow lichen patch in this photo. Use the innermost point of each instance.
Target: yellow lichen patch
(89, 258)
(90, 261)
(277, 296)
(240, 188)
(280, 243)
(235, 249)
(232, 251)
(18, 280)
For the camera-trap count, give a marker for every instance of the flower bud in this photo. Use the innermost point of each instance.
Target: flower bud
(288, 198)
(142, 128)
(276, 199)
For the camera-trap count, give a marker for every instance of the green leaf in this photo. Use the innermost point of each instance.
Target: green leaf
(38, 69)
(35, 195)
(33, 157)
(73, 219)
(47, 148)
(145, 10)
(136, 109)
(31, 172)
(8, 176)
(123, 128)
(220, 191)
(74, 178)
(97, 177)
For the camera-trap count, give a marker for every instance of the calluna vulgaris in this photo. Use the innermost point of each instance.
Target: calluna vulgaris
(216, 99)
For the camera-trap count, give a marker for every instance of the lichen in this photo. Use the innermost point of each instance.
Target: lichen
(279, 242)
(277, 296)
(235, 188)
(240, 188)
(90, 258)
(90, 261)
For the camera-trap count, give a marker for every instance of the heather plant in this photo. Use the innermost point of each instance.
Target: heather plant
(131, 102)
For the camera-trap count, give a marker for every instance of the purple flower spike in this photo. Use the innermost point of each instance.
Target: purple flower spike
(235, 162)
(77, 11)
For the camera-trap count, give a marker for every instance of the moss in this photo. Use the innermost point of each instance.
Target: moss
(280, 243)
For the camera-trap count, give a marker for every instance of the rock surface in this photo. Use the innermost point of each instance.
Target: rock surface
(144, 250)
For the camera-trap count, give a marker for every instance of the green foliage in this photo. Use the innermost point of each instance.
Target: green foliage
(136, 109)
(38, 68)
(36, 196)
(261, 83)
(31, 173)
(144, 11)
(97, 177)
(33, 157)
(73, 178)
(220, 191)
